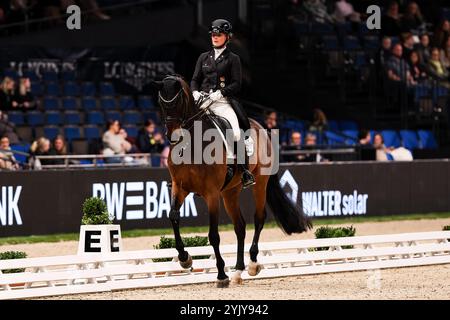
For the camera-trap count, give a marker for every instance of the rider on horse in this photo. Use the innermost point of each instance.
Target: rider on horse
(218, 73)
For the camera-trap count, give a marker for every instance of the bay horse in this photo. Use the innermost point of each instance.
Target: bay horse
(179, 111)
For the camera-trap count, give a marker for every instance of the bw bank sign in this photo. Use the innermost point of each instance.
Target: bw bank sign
(9, 206)
(140, 200)
(325, 202)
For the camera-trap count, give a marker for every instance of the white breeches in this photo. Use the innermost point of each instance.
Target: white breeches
(222, 108)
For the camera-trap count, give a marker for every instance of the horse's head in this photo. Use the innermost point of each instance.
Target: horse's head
(176, 101)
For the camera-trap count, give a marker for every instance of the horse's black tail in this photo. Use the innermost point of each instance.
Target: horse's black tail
(288, 215)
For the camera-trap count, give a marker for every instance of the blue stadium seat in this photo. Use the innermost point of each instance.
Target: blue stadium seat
(31, 75)
(49, 76)
(16, 117)
(348, 125)
(95, 117)
(322, 28)
(410, 139)
(107, 89)
(88, 89)
(68, 75)
(371, 42)
(108, 103)
(71, 89)
(333, 125)
(132, 117)
(22, 148)
(126, 103)
(37, 89)
(51, 103)
(69, 103)
(352, 136)
(72, 132)
(131, 130)
(427, 140)
(391, 138)
(330, 43)
(91, 132)
(53, 118)
(72, 117)
(11, 74)
(113, 115)
(50, 132)
(35, 118)
(52, 89)
(153, 115)
(145, 102)
(89, 104)
(360, 60)
(351, 43)
(333, 138)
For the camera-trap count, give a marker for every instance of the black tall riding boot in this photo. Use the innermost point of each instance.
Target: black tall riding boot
(247, 177)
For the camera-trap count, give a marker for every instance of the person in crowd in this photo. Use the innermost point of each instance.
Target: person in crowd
(114, 143)
(423, 48)
(23, 96)
(445, 54)
(391, 21)
(344, 11)
(40, 147)
(412, 19)
(364, 137)
(7, 159)
(318, 10)
(6, 95)
(441, 33)
(149, 140)
(385, 51)
(417, 68)
(124, 134)
(164, 157)
(270, 120)
(435, 68)
(397, 69)
(408, 45)
(8, 129)
(295, 143)
(383, 153)
(381, 150)
(59, 148)
(320, 122)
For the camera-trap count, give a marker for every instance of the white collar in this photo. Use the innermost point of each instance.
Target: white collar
(218, 52)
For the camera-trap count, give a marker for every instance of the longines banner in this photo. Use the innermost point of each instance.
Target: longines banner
(47, 202)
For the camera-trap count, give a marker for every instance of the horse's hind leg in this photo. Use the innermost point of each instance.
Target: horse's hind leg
(259, 194)
(231, 202)
(214, 238)
(178, 196)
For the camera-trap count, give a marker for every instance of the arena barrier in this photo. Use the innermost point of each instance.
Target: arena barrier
(75, 274)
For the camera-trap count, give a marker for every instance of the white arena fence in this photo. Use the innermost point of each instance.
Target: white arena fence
(88, 273)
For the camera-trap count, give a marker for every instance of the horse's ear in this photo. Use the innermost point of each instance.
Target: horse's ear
(156, 84)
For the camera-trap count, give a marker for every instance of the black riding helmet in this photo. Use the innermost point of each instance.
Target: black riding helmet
(221, 26)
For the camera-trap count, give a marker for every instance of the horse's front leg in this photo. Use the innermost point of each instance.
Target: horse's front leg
(178, 196)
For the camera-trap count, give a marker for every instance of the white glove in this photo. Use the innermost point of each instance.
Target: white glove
(196, 95)
(216, 95)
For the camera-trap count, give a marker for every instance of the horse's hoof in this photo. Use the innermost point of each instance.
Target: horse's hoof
(253, 268)
(223, 283)
(186, 264)
(236, 278)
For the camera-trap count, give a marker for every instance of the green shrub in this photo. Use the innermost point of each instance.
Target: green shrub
(166, 243)
(95, 211)
(329, 232)
(7, 255)
(446, 228)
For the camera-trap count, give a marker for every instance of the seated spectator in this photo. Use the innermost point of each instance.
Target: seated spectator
(270, 121)
(114, 143)
(7, 159)
(40, 147)
(397, 69)
(318, 10)
(295, 143)
(435, 68)
(364, 137)
(164, 157)
(417, 68)
(408, 45)
(412, 19)
(59, 148)
(445, 54)
(124, 134)
(383, 153)
(385, 51)
(23, 97)
(320, 122)
(344, 11)
(441, 34)
(311, 143)
(150, 141)
(8, 129)
(391, 20)
(7, 94)
(423, 48)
